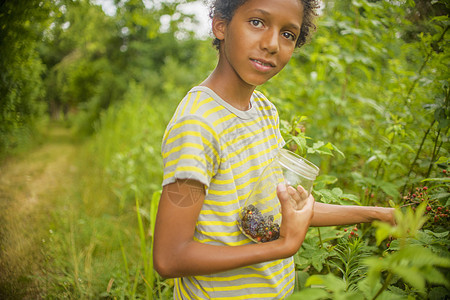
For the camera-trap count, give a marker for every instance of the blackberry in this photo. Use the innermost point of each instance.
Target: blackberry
(257, 227)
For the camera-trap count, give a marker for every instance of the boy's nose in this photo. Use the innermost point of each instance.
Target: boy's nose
(270, 41)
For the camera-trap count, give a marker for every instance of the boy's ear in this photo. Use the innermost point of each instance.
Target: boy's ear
(219, 27)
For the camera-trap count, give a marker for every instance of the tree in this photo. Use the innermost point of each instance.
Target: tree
(22, 24)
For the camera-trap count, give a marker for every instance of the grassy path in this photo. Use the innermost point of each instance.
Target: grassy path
(29, 185)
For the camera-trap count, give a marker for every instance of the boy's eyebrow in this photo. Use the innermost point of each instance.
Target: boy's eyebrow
(262, 11)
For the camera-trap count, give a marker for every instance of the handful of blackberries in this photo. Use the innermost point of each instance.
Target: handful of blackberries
(257, 227)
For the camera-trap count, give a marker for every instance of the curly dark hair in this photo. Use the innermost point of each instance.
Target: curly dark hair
(225, 10)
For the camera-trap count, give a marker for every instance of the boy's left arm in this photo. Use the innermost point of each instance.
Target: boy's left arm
(331, 215)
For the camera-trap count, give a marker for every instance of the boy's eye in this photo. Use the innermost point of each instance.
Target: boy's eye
(289, 35)
(256, 23)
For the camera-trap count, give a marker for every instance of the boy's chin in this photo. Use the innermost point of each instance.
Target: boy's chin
(258, 82)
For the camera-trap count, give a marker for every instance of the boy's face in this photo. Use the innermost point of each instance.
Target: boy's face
(260, 39)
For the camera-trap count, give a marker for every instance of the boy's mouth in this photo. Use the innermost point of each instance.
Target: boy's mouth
(263, 63)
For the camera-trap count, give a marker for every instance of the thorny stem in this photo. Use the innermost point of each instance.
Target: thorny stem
(435, 152)
(410, 204)
(321, 246)
(407, 97)
(438, 148)
(421, 145)
(320, 237)
(411, 88)
(417, 156)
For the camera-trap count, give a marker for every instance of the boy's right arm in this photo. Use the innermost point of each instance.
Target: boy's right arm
(176, 254)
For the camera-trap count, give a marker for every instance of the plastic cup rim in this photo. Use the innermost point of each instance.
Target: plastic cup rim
(307, 167)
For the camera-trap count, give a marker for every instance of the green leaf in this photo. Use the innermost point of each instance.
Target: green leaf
(375, 266)
(411, 275)
(328, 196)
(366, 289)
(439, 235)
(318, 259)
(337, 192)
(444, 195)
(154, 209)
(421, 256)
(285, 126)
(438, 293)
(301, 278)
(315, 280)
(443, 179)
(434, 276)
(301, 262)
(389, 188)
(439, 18)
(330, 281)
(351, 197)
(300, 142)
(323, 180)
(407, 147)
(414, 264)
(310, 294)
(384, 230)
(397, 291)
(442, 159)
(337, 150)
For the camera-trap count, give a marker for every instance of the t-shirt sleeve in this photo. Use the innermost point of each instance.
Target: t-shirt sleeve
(190, 150)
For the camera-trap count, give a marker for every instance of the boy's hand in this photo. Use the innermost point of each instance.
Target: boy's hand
(387, 214)
(297, 210)
(298, 196)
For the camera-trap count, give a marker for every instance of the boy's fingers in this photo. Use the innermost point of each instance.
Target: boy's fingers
(298, 196)
(302, 192)
(295, 197)
(393, 221)
(293, 193)
(285, 197)
(309, 202)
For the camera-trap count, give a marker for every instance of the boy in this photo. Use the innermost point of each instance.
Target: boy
(218, 142)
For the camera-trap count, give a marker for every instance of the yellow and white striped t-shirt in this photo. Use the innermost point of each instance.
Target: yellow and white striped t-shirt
(226, 149)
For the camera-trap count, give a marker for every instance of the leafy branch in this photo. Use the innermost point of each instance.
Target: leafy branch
(424, 63)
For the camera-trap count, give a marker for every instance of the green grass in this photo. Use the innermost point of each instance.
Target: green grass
(90, 236)
(101, 245)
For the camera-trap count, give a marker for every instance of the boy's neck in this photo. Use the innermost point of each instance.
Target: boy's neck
(225, 83)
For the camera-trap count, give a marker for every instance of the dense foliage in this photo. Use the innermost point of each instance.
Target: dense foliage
(367, 100)
(21, 88)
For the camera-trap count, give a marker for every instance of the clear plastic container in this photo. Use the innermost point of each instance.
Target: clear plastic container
(260, 218)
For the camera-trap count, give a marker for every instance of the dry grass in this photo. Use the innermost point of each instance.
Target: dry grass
(28, 185)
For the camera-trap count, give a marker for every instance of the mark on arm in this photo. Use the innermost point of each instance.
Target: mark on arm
(186, 192)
